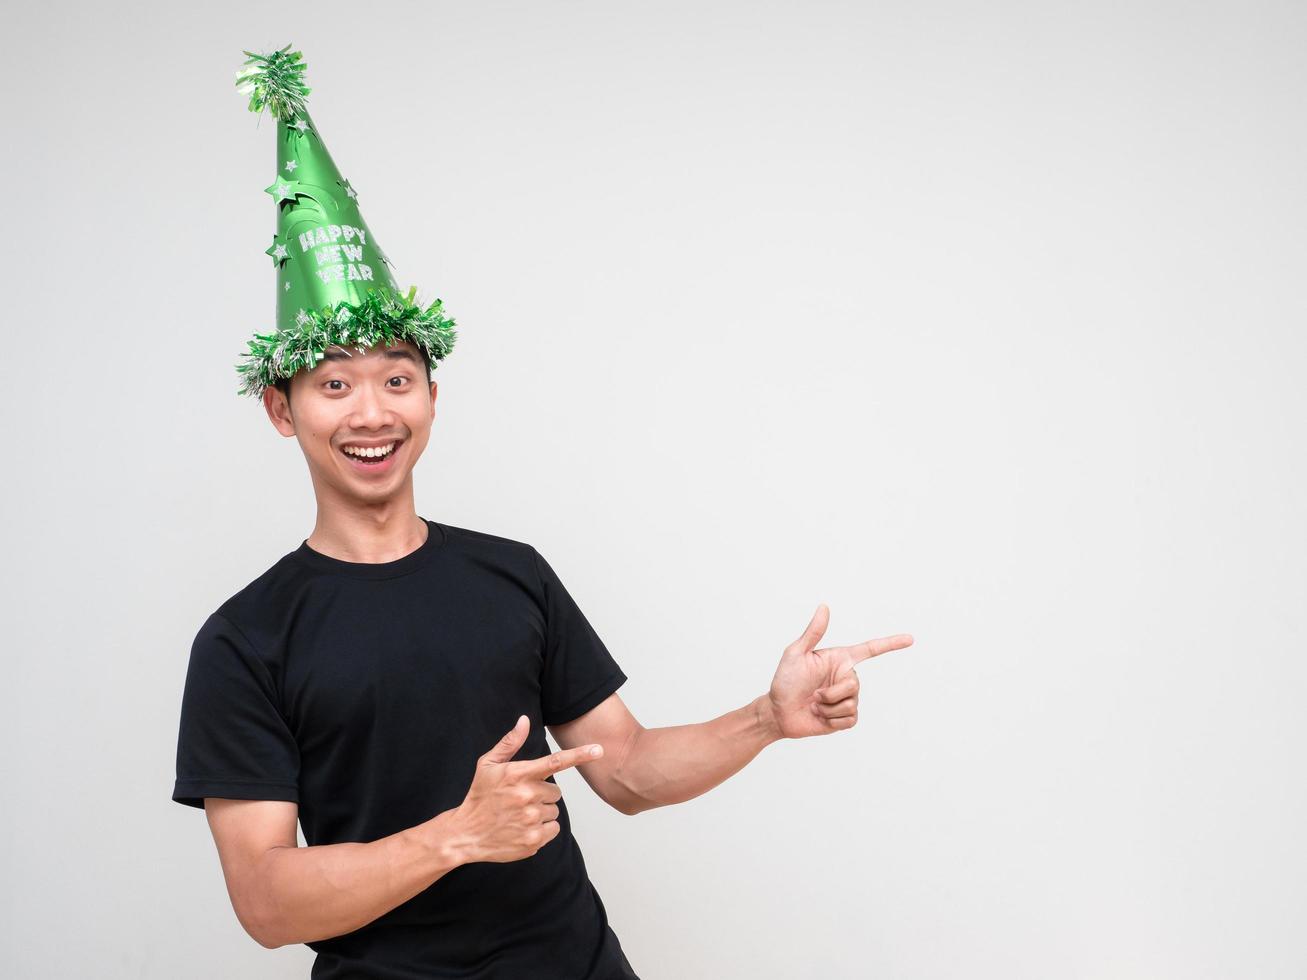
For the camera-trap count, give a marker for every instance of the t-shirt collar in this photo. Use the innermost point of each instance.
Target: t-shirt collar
(414, 560)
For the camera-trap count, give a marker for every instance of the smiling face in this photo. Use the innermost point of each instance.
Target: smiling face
(362, 421)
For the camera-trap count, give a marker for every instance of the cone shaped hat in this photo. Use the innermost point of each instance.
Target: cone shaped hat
(334, 284)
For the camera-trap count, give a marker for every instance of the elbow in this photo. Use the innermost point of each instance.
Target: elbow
(622, 796)
(258, 911)
(630, 806)
(625, 800)
(261, 928)
(259, 931)
(273, 931)
(271, 937)
(257, 917)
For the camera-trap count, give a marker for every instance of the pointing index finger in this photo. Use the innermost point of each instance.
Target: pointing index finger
(547, 765)
(874, 648)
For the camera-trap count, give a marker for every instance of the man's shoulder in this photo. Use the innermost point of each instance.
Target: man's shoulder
(268, 592)
(481, 554)
(485, 543)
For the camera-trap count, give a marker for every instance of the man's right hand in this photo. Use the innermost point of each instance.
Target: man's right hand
(511, 810)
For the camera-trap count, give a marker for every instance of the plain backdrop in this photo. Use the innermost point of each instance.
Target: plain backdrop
(982, 322)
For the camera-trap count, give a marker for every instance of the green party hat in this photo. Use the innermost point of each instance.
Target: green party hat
(334, 284)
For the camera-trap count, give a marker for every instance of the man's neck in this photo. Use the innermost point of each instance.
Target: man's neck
(373, 535)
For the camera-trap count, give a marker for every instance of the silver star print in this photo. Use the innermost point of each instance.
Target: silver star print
(280, 252)
(283, 189)
(301, 318)
(351, 192)
(291, 165)
(301, 125)
(286, 287)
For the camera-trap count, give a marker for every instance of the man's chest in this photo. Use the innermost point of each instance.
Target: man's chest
(394, 665)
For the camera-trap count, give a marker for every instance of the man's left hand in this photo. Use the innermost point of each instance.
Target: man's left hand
(815, 692)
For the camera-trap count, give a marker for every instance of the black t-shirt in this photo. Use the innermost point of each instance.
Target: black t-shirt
(365, 693)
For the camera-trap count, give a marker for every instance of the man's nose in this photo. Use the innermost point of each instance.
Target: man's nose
(370, 411)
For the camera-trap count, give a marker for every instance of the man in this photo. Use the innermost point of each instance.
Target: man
(387, 684)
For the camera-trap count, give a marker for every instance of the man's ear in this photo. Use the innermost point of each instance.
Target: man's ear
(433, 399)
(278, 409)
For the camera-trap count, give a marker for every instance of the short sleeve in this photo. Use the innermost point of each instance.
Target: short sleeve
(232, 741)
(578, 671)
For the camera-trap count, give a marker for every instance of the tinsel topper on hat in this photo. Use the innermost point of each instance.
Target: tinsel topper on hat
(335, 286)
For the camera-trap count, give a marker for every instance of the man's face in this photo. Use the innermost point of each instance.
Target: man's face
(362, 420)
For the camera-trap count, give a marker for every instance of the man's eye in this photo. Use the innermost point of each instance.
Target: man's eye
(398, 378)
(335, 381)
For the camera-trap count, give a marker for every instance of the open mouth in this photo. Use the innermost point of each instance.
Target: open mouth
(371, 457)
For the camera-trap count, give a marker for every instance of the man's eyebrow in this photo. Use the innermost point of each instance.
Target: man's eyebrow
(395, 354)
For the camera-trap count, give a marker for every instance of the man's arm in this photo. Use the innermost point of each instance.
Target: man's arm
(287, 894)
(813, 692)
(643, 768)
(284, 894)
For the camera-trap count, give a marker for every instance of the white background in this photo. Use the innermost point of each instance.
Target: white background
(979, 322)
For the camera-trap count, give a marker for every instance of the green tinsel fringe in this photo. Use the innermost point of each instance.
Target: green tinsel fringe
(380, 319)
(275, 80)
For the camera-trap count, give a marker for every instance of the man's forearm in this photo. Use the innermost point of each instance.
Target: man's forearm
(671, 765)
(311, 893)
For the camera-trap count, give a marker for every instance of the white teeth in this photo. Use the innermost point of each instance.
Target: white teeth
(370, 452)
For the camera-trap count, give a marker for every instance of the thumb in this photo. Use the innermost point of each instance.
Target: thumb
(815, 631)
(507, 746)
